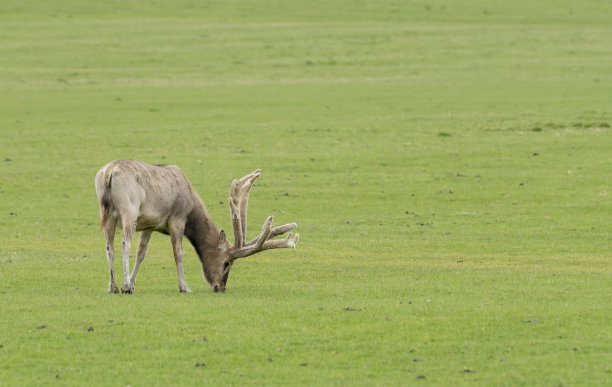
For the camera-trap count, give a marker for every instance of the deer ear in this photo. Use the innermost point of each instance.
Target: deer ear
(222, 236)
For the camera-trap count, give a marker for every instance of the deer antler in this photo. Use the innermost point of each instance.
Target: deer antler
(239, 199)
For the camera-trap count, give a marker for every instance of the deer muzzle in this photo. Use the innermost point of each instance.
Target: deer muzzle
(217, 288)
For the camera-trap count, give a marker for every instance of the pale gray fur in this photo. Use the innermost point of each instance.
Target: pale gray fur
(137, 196)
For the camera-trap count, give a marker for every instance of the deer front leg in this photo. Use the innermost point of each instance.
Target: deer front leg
(109, 233)
(145, 236)
(177, 246)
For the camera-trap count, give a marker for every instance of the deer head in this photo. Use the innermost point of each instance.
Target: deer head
(221, 261)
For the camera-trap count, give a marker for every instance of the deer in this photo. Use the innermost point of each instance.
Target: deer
(140, 197)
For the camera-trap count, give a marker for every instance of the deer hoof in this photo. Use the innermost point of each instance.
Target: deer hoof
(127, 289)
(112, 288)
(186, 290)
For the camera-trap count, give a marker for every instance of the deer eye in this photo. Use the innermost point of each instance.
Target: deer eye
(225, 265)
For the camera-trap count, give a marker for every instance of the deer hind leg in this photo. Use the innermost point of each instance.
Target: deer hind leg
(145, 236)
(129, 227)
(109, 233)
(176, 236)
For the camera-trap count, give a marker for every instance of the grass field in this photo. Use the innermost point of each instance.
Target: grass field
(447, 163)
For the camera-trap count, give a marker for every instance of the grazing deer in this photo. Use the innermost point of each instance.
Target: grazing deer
(137, 196)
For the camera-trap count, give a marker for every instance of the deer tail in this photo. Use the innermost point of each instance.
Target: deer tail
(105, 200)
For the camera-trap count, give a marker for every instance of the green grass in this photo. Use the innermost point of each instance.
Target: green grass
(447, 163)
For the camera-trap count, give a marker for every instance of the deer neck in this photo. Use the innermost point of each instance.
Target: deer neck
(201, 230)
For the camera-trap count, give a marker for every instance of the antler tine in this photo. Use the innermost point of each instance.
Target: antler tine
(266, 230)
(239, 199)
(234, 202)
(280, 230)
(288, 242)
(244, 204)
(276, 231)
